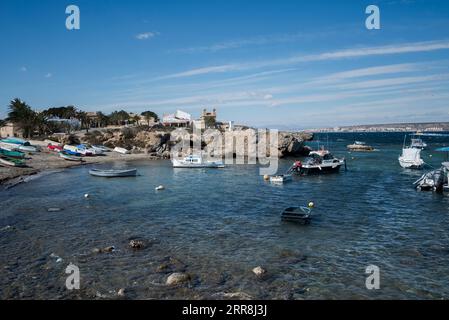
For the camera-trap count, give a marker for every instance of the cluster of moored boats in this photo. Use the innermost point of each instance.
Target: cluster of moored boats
(13, 151)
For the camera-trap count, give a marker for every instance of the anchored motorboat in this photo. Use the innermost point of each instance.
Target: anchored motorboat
(196, 161)
(436, 180)
(410, 157)
(360, 146)
(318, 162)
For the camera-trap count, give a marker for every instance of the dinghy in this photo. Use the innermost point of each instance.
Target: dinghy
(121, 150)
(113, 173)
(11, 162)
(70, 157)
(297, 214)
(281, 178)
(12, 154)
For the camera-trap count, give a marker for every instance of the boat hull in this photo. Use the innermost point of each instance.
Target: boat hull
(181, 164)
(113, 173)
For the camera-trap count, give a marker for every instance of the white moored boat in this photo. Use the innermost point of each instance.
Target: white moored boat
(193, 161)
(411, 158)
(121, 150)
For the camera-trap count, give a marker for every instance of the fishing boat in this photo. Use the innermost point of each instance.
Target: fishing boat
(411, 158)
(360, 146)
(11, 162)
(113, 173)
(318, 162)
(121, 150)
(69, 157)
(196, 161)
(297, 214)
(418, 143)
(12, 154)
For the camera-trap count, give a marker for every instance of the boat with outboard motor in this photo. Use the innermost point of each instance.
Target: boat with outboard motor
(435, 180)
(318, 162)
(410, 157)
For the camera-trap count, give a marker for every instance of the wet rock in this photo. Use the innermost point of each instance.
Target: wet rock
(104, 250)
(177, 278)
(136, 244)
(239, 295)
(259, 271)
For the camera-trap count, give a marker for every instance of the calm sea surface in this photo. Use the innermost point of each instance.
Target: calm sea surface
(219, 224)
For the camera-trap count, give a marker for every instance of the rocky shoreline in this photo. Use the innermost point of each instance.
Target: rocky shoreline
(144, 144)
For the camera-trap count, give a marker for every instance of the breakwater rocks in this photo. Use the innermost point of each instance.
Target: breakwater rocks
(158, 142)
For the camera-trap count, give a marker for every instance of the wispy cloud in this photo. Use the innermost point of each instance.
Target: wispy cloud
(146, 35)
(23, 69)
(334, 55)
(254, 41)
(48, 75)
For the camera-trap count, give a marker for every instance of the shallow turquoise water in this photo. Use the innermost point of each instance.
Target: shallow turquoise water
(222, 223)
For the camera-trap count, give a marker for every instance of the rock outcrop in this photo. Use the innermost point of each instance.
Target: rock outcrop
(158, 144)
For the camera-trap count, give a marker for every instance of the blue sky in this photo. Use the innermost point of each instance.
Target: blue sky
(286, 64)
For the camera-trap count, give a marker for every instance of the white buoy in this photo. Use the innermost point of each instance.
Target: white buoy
(86, 195)
(160, 188)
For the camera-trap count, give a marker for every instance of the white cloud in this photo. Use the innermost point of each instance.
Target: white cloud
(49, 75)
(334, 55)
(23, 69)
(146, 35)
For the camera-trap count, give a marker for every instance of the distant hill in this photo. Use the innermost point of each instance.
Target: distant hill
(391, 127)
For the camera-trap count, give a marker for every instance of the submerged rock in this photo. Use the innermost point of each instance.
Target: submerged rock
(136, 244)
(259, 271)
(236, 295)
(103, 250)
(121, 292)
(177, 278)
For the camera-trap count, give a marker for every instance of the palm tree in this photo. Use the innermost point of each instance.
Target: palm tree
(103, 119)
(150, 115)
(84, 119)
(21, 114)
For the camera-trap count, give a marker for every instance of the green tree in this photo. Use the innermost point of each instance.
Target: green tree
(84, 119)
(150, 115)
(21, 114)
(103, 120)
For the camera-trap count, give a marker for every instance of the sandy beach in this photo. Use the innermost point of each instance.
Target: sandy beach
(47, 160)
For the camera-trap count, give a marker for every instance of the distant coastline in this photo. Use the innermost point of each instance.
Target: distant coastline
(392, 127)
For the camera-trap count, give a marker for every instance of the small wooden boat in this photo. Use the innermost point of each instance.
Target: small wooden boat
(11, 162)
(54, 147)
(70, 157)
(121, 150)
(113, 173)
(297, 214)
(281, 178)
(12, 154)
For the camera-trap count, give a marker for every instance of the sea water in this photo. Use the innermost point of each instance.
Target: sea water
(218, 224)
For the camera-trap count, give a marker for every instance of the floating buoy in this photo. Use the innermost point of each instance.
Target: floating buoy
(311, 204)
(266, 177)
(160, 188)
(86, 195)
